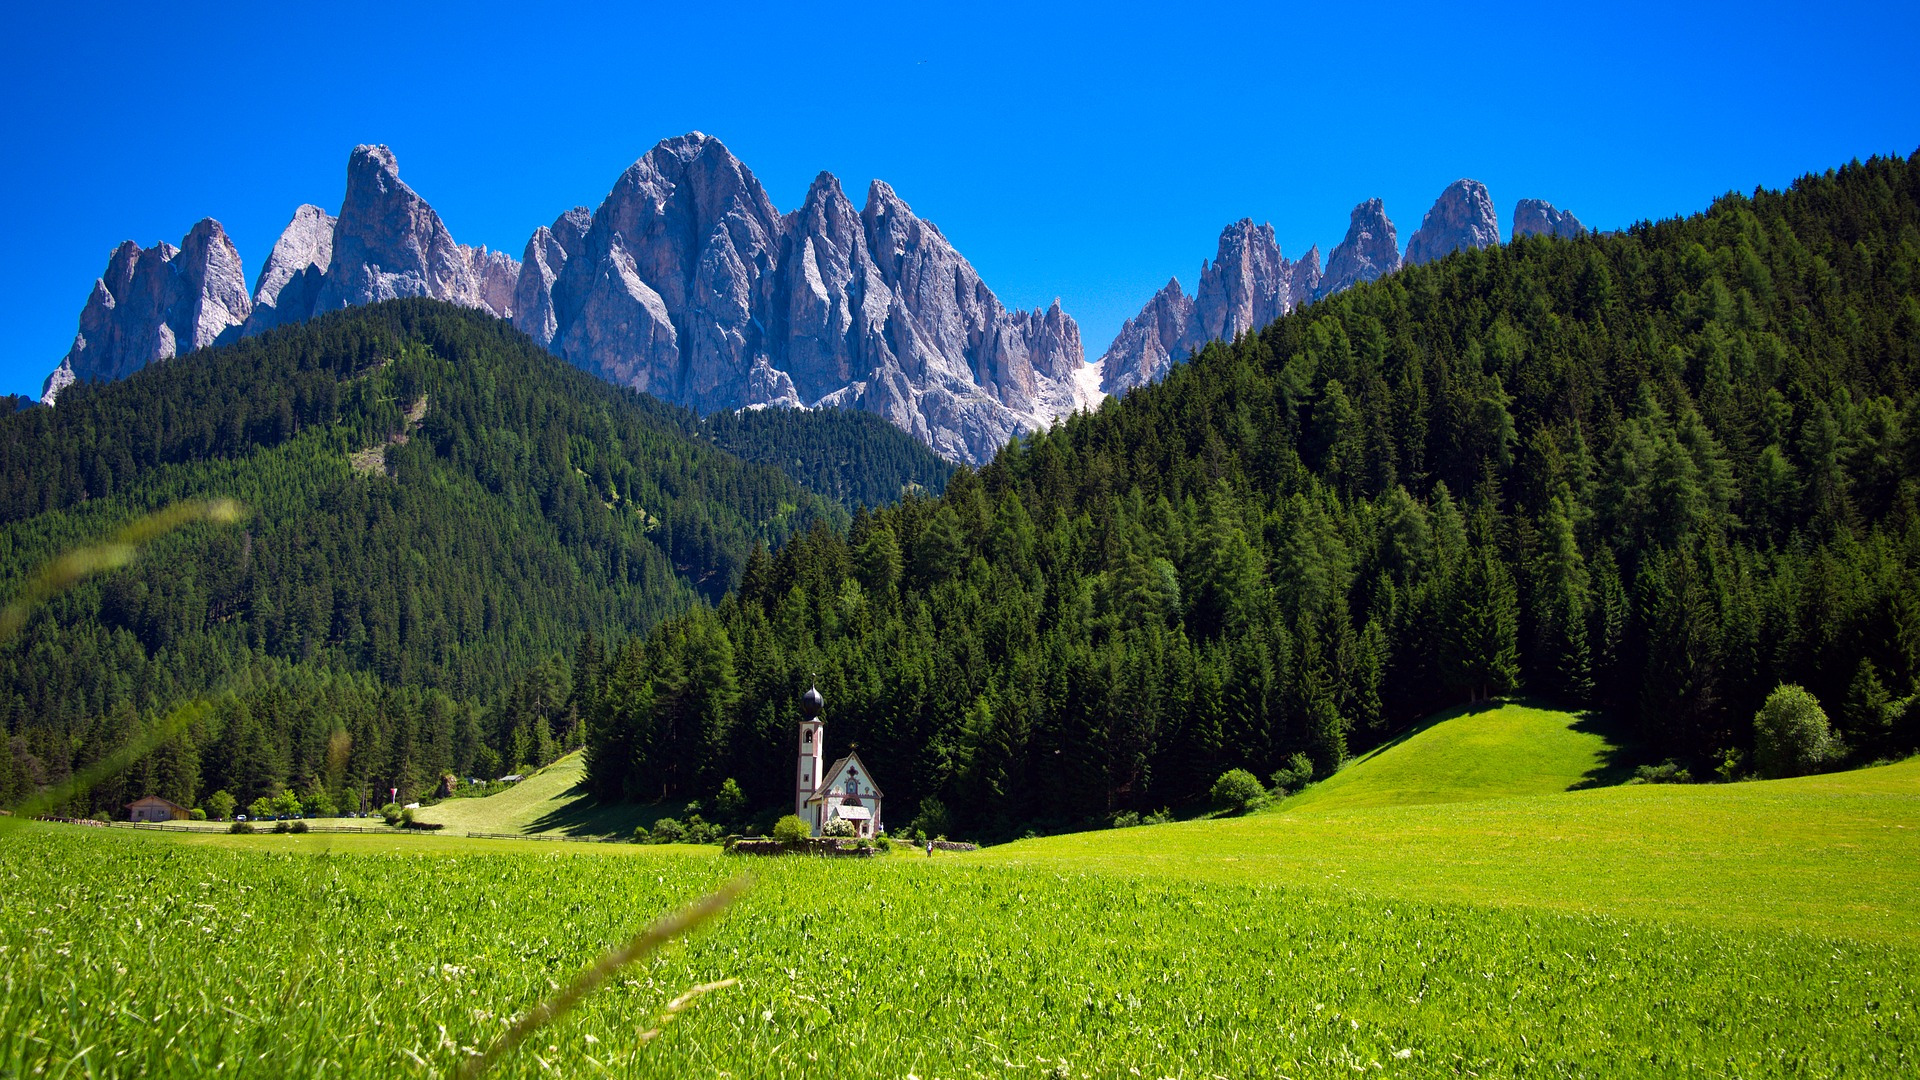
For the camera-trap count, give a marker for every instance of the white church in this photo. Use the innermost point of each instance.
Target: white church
(843, 790)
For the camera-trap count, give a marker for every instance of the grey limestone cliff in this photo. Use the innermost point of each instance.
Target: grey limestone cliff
(1149, 343)
(1248, 284)
(687, 283)
(155, 303)
(1307, 278)
(1536, 217)
(548, 250)
(389, 243)
(1370, 249)
(1461, 218)
(290, 281)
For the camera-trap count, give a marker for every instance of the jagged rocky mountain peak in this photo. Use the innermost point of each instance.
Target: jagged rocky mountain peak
(1462, 217)
(388, 242)
(881, 198)
(1370, 249)
(689, 284)
(1307, 278)
(546, 255)
(686, 282)
(1249, 284)
(1149, 343)
(373, 162)
(290, 281)
(154, 303)
(214, 285)
(1537, 217)
(571, 227)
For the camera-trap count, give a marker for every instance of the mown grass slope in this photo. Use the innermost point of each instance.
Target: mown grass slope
(1473, 754)
(551, 802)
(515, 809)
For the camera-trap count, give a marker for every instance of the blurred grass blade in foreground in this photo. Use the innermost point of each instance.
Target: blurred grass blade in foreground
(67, 570)
(643, 943)
(177, 720)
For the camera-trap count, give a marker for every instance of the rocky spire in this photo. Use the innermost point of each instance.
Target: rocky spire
(685, 283)
(1536, 217)
(1249, 285)
(1461, 218)
(662, 294)
(495, 276)
(290, 281)
(832, 302)
(389, 243)
(548, 250)
(155, 303)
(1305, 285)
(1149, 343)
(1370, 249)
(981, 374)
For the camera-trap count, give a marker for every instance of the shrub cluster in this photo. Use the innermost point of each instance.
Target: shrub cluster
(1238, 789)
(695, 830)
(791, 830)
(1667, 772)
(1127, 819)
(1791, 736)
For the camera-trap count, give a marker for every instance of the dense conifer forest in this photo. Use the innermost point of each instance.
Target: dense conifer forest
(1657, 473)
(854, 458)
(437, 511)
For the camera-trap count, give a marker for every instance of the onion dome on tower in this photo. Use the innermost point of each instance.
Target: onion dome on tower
(812, 704)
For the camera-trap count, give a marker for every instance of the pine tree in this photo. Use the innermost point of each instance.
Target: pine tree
(1562, 664)
(1483, 654)
(1866, 718)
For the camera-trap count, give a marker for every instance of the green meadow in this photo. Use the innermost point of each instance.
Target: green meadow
(1390, 921)
(1475, 755)
(548, 802)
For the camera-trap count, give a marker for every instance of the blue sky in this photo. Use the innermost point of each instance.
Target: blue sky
(1087, 152)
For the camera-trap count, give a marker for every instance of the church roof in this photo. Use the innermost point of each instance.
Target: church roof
(833, 772)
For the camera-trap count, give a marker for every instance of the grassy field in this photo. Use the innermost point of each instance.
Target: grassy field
(528, 806)
(1836, 855)
(551, 802)
(1744, 930)
(1471, 755)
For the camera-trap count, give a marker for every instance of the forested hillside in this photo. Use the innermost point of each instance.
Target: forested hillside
(1659, 472)
(854, 458)
(437, 511)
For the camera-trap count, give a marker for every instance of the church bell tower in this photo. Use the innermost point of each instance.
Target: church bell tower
(813, 755)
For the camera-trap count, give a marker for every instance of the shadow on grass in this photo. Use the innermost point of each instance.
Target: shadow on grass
(1619, 755)
(581, 815)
